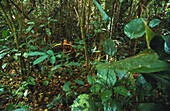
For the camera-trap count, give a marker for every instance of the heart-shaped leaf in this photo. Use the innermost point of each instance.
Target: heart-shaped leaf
(135, 28)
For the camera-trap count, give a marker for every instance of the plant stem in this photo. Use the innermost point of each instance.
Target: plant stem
(83, 33)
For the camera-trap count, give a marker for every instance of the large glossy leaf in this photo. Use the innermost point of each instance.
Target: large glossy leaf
(140, 60)
(145, 62)
(135, 28)
(109, 47)
(153, 67)
(154, 22)
(40, 59)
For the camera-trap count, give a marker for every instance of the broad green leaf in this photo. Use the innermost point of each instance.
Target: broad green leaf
(53, 60)
(91, 79)
(50, 52)
(48, 31)
(143, 60)
(156, 66)
(105, 95)
(109, 47)
(40, 59)
(80, 82)
(95, 88)
(135, 28)
(154, 22)
(66, 86)
(121, 90)
(107, 76)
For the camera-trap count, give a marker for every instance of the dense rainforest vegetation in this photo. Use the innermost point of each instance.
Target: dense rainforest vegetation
(84, 55)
